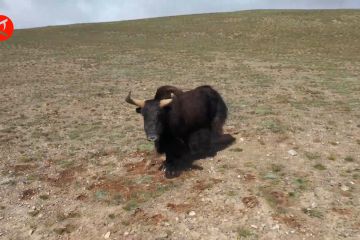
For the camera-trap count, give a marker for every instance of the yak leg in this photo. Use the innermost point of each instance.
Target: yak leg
(199, 141)
(170, 166)
(173, 152)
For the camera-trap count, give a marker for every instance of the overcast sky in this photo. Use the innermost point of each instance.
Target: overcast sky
(37, 13)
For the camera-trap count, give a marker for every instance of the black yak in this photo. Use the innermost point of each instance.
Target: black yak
(173, 119)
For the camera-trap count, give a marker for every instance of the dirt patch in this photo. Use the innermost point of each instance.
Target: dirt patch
(64, 178)
(248, 177)
(250, 202)
(63, 104)
(125, 187)
(202, 185)
(276, 199)
(290, 221)
(24, 167)
(143, 182)
(28, 194)
(141, 216)
(179, 208)
(82, 197)
(150, 166)
(342, 211)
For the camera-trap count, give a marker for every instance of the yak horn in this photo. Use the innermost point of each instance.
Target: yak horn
(137, 102)
(166, 102)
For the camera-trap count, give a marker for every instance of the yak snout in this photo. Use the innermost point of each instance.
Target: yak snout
(152, 137)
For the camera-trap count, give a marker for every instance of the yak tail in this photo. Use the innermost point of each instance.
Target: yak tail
(220, 140)
(220, 116)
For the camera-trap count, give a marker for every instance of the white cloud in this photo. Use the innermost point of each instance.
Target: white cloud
(35, 13)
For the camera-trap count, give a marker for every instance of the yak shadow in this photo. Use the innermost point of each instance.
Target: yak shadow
(201, 145)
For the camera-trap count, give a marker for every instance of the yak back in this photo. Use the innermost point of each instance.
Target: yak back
(195, 109)
(164, 92)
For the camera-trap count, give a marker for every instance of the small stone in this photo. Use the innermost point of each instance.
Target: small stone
(192, 213)
(238, 176)
(31, 231)
(292, 152)
(126, 233)
(107, 235)
(254, 226)
(276, 227)
(344, 188)
(242, 139)
(162, 235)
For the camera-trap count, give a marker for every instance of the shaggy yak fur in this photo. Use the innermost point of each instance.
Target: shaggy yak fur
(181, 121)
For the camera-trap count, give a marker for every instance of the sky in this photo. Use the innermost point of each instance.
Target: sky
(38, 13)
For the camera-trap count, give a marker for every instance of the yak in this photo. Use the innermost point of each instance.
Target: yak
(174, 118)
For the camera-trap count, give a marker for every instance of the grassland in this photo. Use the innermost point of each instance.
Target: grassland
(74, 162)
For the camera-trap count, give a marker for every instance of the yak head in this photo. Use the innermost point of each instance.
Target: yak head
(152, 111)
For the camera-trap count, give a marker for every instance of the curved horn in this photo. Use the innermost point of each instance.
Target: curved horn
(166, 102)
(137, 102)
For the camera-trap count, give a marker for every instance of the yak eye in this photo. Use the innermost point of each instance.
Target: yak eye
(138, 110)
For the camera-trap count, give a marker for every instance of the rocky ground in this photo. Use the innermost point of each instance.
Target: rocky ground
(74, 162)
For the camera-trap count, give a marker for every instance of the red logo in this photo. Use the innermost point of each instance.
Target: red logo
(6, 28)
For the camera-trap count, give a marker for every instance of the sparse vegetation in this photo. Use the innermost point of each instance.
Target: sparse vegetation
(277, 167)
(301, 184)
(146, 147)
(319, 166)
(263, 110)
(313, 213)
(349, 159)
(331, 157)
(312, 155)
(231, 193)
(101, 194)
(243, 233)
(274, 126)
(44, 196)
(74, 162)
(131, 205)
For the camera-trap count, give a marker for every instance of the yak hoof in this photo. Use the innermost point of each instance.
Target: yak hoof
(171, 173)
(170, 170)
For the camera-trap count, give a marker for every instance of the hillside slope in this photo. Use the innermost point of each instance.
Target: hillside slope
(74, 162)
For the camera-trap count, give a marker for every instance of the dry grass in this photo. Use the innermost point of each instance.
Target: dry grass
(69, 144)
